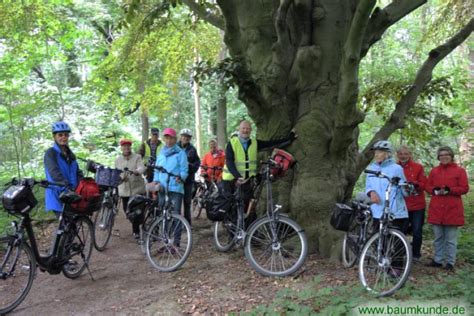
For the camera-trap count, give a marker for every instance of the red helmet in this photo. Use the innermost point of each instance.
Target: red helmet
(125, 142)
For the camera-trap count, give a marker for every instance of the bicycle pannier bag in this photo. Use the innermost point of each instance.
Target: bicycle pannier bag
(219, 206)
(18, 199)
(136, 207)
(91, 197)
(284, 161)
(342, 217)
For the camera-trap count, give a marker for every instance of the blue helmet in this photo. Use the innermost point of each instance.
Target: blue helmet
(60, 126)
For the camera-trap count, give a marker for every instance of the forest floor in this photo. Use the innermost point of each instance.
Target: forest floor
(208, 283)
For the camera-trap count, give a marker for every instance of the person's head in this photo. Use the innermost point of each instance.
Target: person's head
(245, 128)
(445, 155)
(126, 147)
(383, 150)
(61, 132)
(185, 136)
(155, 133)
(403, 153)
(213, 145)
(169, 137)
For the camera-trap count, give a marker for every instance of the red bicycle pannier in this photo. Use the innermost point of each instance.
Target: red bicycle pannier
(284, 161)
(90, 193)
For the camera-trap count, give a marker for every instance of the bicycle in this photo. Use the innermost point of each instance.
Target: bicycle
(274, 244)
(108, 180)
(359, 231)
(386, 259)
(205, 192)
(168, 240)
(19, 254)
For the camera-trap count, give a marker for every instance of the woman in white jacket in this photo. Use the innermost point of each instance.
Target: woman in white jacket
(133, 182)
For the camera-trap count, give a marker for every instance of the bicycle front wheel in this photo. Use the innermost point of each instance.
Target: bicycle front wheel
(385, 271)
(77, 247)
(103, 224)
(168, 242)
(350, 246)
(276, 247)
(17, 272)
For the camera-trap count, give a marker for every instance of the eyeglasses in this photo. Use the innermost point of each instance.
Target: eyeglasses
(62, 134)
(444, 155)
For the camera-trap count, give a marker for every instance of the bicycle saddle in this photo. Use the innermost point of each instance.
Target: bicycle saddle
(69, 197)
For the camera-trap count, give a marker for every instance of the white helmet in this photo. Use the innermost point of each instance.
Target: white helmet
(383, 145)
(186, 131)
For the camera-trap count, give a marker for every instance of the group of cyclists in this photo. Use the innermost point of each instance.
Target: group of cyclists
(446, 184)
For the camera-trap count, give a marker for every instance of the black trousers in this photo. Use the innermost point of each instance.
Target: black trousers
(246, 194)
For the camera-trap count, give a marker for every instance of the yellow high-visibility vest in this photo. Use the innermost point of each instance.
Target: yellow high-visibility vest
(148, 151)
(245, 162)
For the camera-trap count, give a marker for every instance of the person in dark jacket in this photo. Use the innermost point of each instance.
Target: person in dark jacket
(416, 204)
(241, 161)
(60, 166)
(149, 150)
(193, 165)
(446, 183)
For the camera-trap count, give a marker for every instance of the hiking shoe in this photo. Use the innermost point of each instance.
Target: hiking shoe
(434, 264)
(449, 267)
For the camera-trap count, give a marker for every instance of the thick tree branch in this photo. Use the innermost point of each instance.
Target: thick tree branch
(347, 114)
(131, 111)
(39, 72)
(204, 14)
(423, 77)
(382, 19)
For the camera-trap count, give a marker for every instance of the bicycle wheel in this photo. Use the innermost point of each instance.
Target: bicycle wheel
(224, 233)
(103, 224)
(77, 245)
(148, 221)
(168, 242)
(276, 252)
(350, 246)
(17, 272)
(382, 274)
(197, 202)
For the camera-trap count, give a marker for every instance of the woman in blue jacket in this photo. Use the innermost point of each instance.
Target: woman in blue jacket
(174, 160)
(60, 166)
(375, 187)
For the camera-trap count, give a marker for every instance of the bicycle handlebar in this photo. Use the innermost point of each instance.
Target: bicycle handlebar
(211, 168)
(32, 182)
(162, 169)
(379, 174)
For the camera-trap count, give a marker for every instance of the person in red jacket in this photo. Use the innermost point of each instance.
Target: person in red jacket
(416, 204)
(446, 183)
(214, 158)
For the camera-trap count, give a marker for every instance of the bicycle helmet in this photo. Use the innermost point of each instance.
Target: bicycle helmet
(59, 127)
(383, 145)
(186, 131)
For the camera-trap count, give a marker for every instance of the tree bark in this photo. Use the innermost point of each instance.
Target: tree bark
(222, 105)
(197, 109)
(297, 66)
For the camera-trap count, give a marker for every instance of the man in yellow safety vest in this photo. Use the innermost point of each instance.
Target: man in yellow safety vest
(149, 150)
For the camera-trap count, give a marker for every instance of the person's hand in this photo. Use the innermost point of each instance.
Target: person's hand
(374, 197)
(136, 173)
(178, 179)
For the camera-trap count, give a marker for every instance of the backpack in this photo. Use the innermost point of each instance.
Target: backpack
(91, 197)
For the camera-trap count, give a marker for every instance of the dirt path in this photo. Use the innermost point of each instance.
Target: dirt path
(209, 282)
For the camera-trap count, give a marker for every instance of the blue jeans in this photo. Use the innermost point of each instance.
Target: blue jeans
(176, 199)
(417, 219)
(445, 243)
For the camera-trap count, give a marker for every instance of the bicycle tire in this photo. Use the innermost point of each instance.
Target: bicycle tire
(290, 236)
(10, 249)
(147, 222)
(78, 245)
(161, 250)
(223, 235)
(350, 246)
(103, 225)
(368, 262)
(196, 204)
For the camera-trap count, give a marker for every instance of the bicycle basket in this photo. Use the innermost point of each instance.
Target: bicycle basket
(342, 217)
(108, 177)
(18, 199)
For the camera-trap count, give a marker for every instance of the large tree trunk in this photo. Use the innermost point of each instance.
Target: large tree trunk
(222, 105)
(296, 65)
